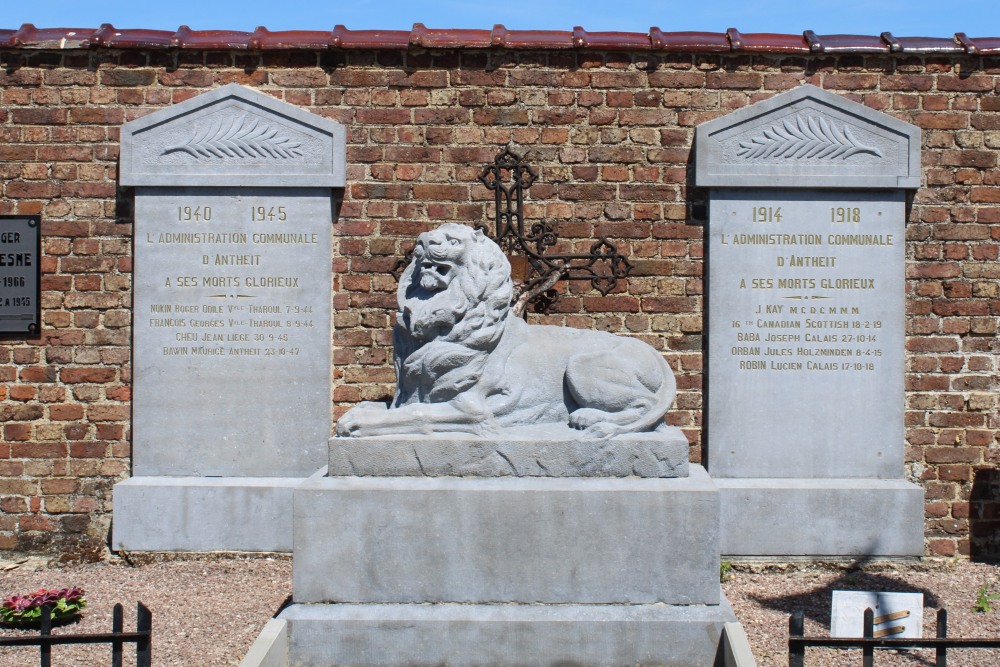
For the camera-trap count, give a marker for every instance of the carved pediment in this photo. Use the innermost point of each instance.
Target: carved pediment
(233, 136)
(807, 137)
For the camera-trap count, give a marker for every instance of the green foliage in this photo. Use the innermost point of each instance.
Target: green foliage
(724, 571)
(26, 610)
(983, 600)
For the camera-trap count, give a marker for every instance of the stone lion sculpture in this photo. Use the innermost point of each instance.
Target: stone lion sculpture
(464, 364)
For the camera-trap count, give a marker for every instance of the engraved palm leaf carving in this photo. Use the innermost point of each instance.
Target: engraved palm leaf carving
(239, 137)
(805, 137)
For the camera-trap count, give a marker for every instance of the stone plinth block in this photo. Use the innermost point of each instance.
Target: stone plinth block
(526, 452)
(204, 514)
(459, 635)
(521, 540)
(821, 517)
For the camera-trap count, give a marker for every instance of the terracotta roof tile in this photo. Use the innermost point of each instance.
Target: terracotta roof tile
(766, 42)
(535, 39)
(342, 38)
(264, 39)
(689, 41)
(930, 45)
(429, 38)
(845, 43)
(186, 38)
(50, 38)
(420, 36)
(984, 45)
(611, 41)
(108, 37)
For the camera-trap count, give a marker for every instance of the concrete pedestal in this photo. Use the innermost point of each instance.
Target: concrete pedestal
(821, 517)
(466, 635)
(500, 571)
(204, 514)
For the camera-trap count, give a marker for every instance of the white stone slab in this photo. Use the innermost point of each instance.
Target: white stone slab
(270, 649)
(821, 517)
(528, 635)
(203, 514)
(549, 451)
(896, 615)
(806, 333)
(736, 647)
(524, 540)
(232, 331)
(807, 137)
(233, 136)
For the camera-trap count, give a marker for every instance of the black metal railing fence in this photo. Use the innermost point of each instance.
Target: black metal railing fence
(142, 637)
(798, 643)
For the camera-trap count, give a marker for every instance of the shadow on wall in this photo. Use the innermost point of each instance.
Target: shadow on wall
(984, 517)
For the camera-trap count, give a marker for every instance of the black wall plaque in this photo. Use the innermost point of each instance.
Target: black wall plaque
(20, 274)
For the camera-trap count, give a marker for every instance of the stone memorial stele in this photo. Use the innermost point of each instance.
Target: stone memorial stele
(520, 501)
(232, 326)
(805, 299)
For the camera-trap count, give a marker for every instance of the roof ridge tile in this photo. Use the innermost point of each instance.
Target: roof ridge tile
(28, 36)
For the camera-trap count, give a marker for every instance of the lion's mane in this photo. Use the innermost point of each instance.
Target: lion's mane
(442, 339)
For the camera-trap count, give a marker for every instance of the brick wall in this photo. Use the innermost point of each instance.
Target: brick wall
(610, 134)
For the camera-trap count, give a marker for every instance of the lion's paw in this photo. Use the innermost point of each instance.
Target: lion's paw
(360, 417)
(347, 425)
(586, 417)
(601, 430)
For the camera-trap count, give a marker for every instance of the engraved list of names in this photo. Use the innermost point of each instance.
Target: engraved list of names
(806, 327)
(231, 321)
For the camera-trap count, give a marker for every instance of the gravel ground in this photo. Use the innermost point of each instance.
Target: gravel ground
(208, 610)
(763, 597)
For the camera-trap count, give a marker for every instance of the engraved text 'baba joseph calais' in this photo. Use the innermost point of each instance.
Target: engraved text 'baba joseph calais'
(805, 137)
(239, 137)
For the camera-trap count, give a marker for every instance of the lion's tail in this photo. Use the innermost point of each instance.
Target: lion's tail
(664, 395)
(611, 404)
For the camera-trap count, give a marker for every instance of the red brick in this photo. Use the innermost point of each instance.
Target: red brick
(734, 80)
(66, 412)
(951, 455)
(87, 375)
(12, 432)
(618, 79)
(39, 116)
(384, 116)
(439, 192)
(906, 82)
(440, 116)
(941, 121)
(975, 83)
(127, 77)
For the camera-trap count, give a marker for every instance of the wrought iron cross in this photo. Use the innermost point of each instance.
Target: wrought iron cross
(508, 177)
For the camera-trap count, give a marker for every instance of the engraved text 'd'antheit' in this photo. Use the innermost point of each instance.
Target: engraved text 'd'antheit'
(239, 137)
(805, 137)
